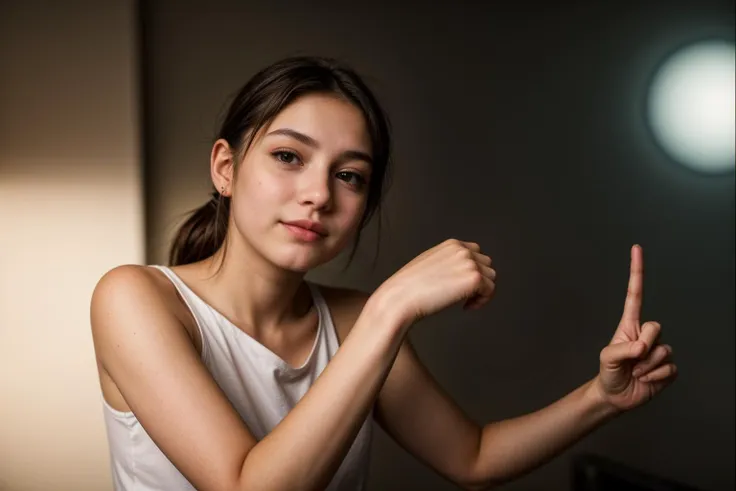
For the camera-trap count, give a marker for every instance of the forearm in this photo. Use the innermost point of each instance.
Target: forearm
(515, 446)
(304, 451)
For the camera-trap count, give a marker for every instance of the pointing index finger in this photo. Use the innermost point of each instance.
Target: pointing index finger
(632, 306)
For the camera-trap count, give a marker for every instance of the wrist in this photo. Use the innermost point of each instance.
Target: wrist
(385, 307)
(597, 400)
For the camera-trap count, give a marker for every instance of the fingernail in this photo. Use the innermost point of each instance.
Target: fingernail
(636, 372)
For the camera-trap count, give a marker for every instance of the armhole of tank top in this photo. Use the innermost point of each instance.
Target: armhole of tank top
(170, 275)
(126, 417)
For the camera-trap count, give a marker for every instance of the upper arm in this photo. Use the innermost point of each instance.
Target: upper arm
(147, 352)
(412, 407)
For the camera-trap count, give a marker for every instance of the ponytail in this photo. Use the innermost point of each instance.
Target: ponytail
(203, 233)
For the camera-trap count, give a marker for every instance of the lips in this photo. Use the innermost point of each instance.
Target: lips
(315, 227)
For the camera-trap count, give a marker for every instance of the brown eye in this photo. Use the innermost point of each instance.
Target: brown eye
(355, 180)
(286, 157)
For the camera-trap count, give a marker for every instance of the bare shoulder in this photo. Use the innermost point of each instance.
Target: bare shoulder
(128, 286)
(345, 306)
(124, 279)
(128, 297)
(118, 287)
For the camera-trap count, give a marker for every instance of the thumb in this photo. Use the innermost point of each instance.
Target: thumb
(614, 355)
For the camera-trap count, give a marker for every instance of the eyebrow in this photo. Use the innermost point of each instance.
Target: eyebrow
(311, 142)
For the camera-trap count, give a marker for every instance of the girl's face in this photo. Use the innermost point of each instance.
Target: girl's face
(311, 164)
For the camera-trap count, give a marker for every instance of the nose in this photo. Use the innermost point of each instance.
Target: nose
(315, 190)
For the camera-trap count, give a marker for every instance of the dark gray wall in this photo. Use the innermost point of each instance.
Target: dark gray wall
(522, 129)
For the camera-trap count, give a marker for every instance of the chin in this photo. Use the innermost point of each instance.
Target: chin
(301, 261)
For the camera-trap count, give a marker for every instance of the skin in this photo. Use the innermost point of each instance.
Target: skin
(155, 370)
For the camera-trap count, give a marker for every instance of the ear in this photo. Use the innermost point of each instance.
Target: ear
(222, 167)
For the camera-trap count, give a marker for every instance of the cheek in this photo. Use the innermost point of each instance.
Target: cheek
(257, 203)
(264, 190)
(353, 208)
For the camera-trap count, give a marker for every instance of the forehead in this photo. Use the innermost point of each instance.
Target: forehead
(329, 119)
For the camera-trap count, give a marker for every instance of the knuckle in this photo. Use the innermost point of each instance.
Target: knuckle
(659, 353)
(464, 253)
(655, 326)
(476, 278)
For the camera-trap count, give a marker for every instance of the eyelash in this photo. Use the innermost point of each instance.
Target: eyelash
(360, 180)
(278, 153)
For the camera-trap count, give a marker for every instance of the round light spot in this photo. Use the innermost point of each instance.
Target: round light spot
(692, 109)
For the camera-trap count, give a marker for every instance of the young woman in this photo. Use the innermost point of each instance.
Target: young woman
(228, 371)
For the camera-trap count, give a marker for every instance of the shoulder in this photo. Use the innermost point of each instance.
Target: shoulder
(128, 283)
(345, 306)
(124, 276)
(130, 296)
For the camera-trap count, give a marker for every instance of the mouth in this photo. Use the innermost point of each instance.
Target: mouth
(305, 230)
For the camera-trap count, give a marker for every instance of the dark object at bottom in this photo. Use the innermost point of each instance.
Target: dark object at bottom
(595, 473)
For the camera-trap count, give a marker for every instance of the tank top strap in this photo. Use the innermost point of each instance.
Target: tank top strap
(320, 303)
(195, 305)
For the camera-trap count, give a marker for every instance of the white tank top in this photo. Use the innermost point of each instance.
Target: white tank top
(261, 386)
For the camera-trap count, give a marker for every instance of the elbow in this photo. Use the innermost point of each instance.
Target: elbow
(475, 477)
(477, 481)
(257, 475)
(474, 482)
(479, 486)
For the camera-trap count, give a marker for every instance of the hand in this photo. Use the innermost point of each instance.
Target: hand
(634, 366)
(448, 273)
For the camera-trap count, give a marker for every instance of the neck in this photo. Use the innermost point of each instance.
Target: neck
(252, 290)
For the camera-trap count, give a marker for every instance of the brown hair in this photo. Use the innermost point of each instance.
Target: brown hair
(256, 104)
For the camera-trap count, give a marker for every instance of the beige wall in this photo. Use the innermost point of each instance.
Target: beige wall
(70, 209)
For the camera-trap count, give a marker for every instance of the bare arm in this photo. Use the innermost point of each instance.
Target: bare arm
(634, 367)
(152, 360)
(515, 446)
(425, 421)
